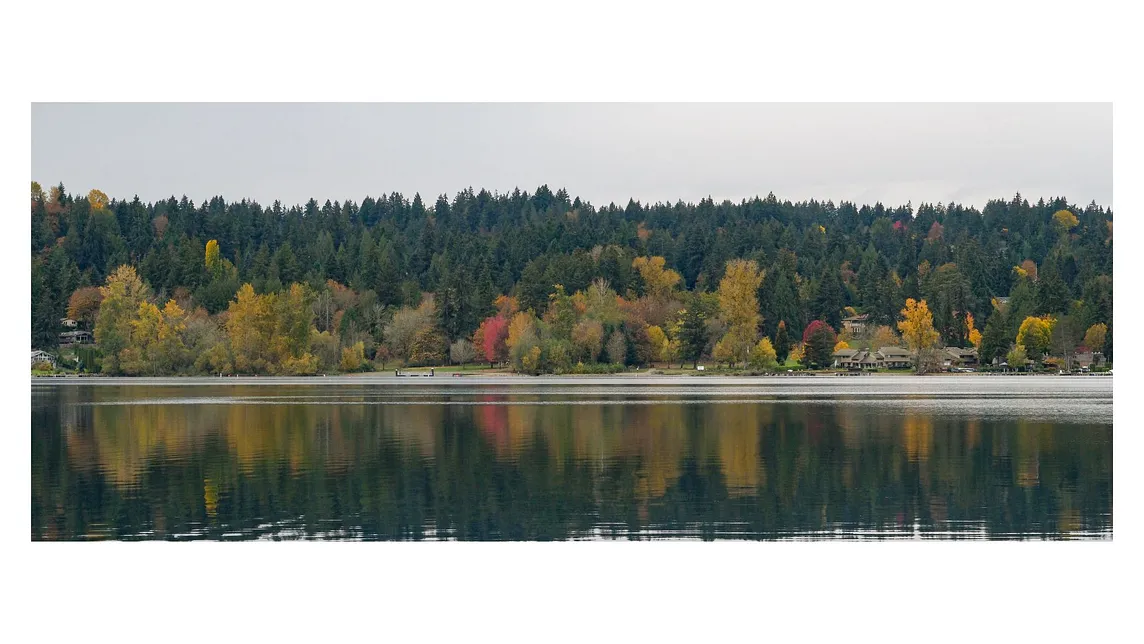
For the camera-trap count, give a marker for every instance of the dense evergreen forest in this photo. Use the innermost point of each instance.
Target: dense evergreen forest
(547, 282)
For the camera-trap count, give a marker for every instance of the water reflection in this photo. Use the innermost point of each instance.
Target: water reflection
(251, 462)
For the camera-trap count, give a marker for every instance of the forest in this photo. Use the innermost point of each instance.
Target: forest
(542, 282)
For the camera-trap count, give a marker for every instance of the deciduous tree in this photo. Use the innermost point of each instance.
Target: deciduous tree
(122, 296)
(1094, 337)
(763, 356)
(818, 339)
(83, 305)
(462, 352)
(917, 329)
(1036, 334)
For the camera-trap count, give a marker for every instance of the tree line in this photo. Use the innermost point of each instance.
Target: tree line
(549, 283)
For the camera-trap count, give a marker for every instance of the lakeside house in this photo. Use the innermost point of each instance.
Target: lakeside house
(956, 358)
(896, 357)
(855, 324)
(869, 360)
(43, 356)
(1086, 358)
(68, 323)
(73, 338)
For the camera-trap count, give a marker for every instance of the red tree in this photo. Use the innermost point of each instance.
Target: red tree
(490, 338)
(819, 340)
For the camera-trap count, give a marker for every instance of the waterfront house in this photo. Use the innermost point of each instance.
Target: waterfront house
(896, 357)
(43, 356)
(868, 360)
(844, 358)
(1086, 358)
(956, 357)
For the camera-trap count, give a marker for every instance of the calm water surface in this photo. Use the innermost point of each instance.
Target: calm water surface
(573, 458)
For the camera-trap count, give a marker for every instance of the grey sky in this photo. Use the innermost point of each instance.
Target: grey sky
(892, 153)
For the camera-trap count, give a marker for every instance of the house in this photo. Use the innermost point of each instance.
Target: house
(72, 338)
(870, 361)
(956, 357)
(896, 358)
(867, 360)
(855, 324)
(68, 323)
(845, 358)
(43, 356)
(1086, 358)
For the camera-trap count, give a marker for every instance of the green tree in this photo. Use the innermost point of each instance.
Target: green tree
(782, 343)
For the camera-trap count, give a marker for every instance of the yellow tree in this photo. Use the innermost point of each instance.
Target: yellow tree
(294, 319)
(723, 352)
(738, 293)
(212, 254)
(352, 357)
(842, 344)
(1094, 337)
(739, 308)
(138, 357)
(660, 345)
(519, 328)
(522, 339)
(797, 353)
(917, 329)
(1064, 221)
(98, 199)
(249, 326)
(171, 350)
(1036, 335)
(763, 356)
(974, 334)
(122, 296)
(658, 281)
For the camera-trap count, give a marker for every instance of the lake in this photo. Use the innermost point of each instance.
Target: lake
(517, 458)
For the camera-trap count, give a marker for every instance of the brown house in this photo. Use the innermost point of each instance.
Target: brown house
(72, 338)
(865, 360)
(956, 358)
(855, 324)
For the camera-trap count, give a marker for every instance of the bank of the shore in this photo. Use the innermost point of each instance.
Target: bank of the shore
(711, 379)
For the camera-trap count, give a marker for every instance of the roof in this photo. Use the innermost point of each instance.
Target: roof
(857, 318)
(845, 353)
(894, 352)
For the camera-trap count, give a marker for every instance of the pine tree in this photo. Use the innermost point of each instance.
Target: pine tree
(782, 343)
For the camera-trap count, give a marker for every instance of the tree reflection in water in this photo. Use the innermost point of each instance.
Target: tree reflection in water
(505, 466)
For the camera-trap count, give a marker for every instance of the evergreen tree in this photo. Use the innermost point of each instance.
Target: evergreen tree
(782, 343)
(829, 299)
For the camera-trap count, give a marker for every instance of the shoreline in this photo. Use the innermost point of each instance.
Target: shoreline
(447, 379)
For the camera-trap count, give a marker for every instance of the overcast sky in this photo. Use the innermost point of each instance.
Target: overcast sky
(865, 153)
